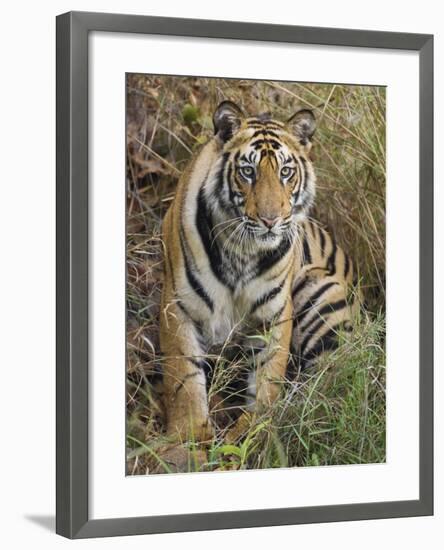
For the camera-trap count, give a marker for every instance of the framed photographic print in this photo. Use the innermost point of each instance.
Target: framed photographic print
(244, 275)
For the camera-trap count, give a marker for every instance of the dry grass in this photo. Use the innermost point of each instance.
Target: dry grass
(334, 415)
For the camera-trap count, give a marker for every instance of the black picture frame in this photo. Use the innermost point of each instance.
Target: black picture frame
(72, 519)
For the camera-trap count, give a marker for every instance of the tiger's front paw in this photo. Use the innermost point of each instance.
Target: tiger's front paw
(239, 429)
(197, 430)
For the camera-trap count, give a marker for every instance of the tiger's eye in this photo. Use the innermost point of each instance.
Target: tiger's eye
(286, 171)
(247, 171)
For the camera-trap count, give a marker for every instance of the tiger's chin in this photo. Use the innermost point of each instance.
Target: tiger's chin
(269, 240)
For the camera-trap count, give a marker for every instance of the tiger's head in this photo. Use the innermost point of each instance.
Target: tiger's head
(266, 177)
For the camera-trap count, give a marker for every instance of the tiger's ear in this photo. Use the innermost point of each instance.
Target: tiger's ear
(303, 125)
(227, 119)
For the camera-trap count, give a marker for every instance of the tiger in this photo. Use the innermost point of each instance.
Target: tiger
(242, 253)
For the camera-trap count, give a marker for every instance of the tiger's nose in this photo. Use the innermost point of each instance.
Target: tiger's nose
(269, 222)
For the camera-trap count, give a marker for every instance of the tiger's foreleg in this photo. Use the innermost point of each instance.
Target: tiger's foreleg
(184, 379)
(271, 366)
(270, 373)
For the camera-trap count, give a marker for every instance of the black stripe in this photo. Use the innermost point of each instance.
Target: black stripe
(278, 275)
(299, 286)
(306, 364)
(312, 229)
(224, 203)
(257, 133)
(204, 227)
(220, 176)
(346, 266)
(309, 304)
(334, 306)
(326, 309)
(203, 365)
(268, 260)
(304, 170)
(184, 379)
(196, 363)
(267, 297)
(268, 323)
(230, 189)
(297, 176)
(327, 342)
(258, 144)
(183, 308)
(275, 144)
(322, 241)
(265, 132)
(331, 262)
(306, 248)
(256, 123)
(269, 357)
(192, 279)
(310, 334)
(197, 287)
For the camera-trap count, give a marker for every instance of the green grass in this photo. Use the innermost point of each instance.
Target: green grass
(334, 414)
